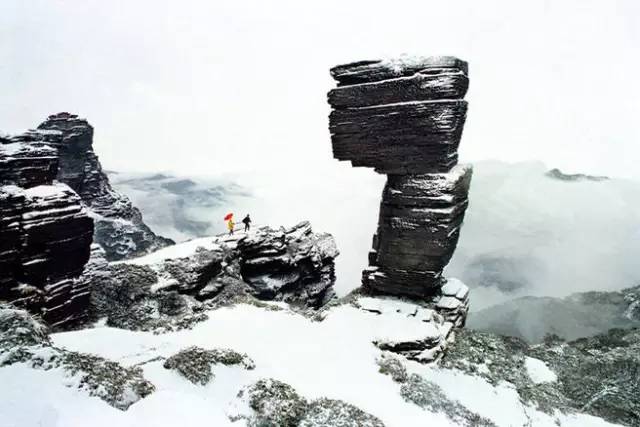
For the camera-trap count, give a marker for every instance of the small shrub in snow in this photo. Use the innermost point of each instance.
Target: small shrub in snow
(336, 413)
(274, 404)
(118, 386)
(430, 396)
(195, 363)
(271, 403)
(392, 366)
(19, 328)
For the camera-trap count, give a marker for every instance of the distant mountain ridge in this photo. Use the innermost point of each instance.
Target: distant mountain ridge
(578, 315)
(180, 207)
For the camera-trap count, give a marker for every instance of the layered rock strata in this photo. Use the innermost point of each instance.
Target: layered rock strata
(119, 227)
(404, 118)
(172, 288)
(45, 233)
(294, 264)
(52, 188)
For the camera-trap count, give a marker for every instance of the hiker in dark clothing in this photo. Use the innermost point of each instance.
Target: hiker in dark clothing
(247, 223)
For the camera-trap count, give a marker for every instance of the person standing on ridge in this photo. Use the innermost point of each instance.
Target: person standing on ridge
(247, 223)
(230, 225)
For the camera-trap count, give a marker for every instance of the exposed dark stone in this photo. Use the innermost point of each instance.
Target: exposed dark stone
(418, 229)
(448, 84)
(46, 236)
(51, 186)
(294, 265)
(405, 138)
(27, 160)
(119, 228)
(377, 70)
(404, 118)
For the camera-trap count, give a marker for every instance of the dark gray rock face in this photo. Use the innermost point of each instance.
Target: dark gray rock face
(119, 228)
(294, 265)
(26, 160)
(52, 188)
(45, 232)
(404, 118)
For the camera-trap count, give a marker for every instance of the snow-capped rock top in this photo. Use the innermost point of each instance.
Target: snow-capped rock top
(384, 69)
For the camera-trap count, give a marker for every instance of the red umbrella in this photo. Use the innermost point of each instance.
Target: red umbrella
(228, 216)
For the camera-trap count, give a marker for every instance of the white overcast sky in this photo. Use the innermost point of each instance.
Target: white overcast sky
(209, 87)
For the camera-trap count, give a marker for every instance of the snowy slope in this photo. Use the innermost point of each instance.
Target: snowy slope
(333, 358)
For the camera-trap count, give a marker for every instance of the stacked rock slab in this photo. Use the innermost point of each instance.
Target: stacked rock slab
(404, 118)
(119, 227)
(45, 232)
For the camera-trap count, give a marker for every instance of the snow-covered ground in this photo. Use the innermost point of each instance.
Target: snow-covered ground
(334, 358)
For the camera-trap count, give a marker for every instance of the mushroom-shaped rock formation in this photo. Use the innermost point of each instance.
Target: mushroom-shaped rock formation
(404, 118)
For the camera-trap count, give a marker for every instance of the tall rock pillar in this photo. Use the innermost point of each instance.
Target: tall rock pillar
(404, 118)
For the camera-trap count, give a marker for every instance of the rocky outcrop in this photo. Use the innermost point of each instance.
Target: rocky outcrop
(172, 288)
(45, 232)
(52, 188)
(119, 227)
(294, 265)
(404, 118)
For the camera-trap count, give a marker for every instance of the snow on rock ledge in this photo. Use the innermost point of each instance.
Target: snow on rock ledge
(172, 287)
(418, 329)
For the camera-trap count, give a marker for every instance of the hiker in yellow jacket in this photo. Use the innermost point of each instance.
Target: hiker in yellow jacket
(230, 225)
